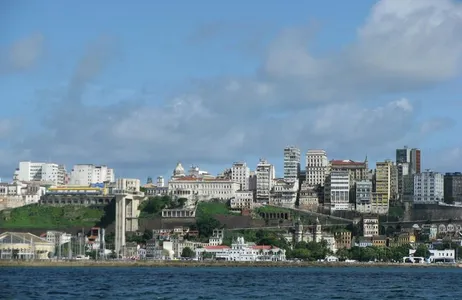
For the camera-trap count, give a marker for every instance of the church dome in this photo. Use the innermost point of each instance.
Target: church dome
(179, 170)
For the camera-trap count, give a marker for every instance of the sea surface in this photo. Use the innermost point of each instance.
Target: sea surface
(229, 283)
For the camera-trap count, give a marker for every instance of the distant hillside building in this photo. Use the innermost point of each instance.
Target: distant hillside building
(316, 167)
(428, 187)
(87, 174)
(265, 174)
(291, 163)
(453, 187)
(39, 171)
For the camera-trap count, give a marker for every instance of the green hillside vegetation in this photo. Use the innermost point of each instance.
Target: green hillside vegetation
(206, 209)
(50, 217)
(272, 209)
(153, 206)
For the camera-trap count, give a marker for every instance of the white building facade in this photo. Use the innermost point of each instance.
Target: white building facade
(242, 200)
(38, 171)
(240, 173)
(284, 193)
(265, 174)
(190, 187)
(291, 163)
(337, 190)
(242, 251)
(87, 174)
(428, 187)
(317, 166)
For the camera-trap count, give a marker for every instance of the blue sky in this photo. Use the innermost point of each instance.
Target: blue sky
(142, 86)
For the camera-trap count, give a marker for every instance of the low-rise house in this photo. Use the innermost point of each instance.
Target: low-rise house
(379, 241)
(343, 239)
(363, 242)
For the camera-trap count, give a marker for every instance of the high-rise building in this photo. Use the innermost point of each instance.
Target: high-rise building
(383, 187)
(410, 156)
(87, 174)
(363, 195)
(38, 171)
(428, 187)
(316, 167)
(453, 187)
(240, 173)
(337, 190)
(265, 174)
(291, 163)
(358, 170)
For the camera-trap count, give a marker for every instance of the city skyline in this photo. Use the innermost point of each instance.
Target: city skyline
(210, 84)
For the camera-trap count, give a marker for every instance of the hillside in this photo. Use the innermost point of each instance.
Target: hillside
(51, 217)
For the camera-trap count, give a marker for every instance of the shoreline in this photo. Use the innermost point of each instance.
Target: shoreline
(224, 264)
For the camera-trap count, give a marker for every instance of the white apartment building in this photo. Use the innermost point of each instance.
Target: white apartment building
(242, 200)
(240, 173)
(58, 237)
(428, 187)
(316, 167)
(242, 251)
(265, 177)
(370, 226)
(291, 163)
(130, 185)
(337, 190)
(284, 193)
(87, 174)
(191, 187)
(38, 171)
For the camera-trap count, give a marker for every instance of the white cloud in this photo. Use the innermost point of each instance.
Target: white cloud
(295, 98)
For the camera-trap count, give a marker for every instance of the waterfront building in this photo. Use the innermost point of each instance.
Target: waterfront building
(316, 167)
(291, 163)
(428, 187)
(242, 251)
(22, 245)
(88, 174)
(447, 255)
(453, 187)
(343, 239)
(265, 174)
(337, 190)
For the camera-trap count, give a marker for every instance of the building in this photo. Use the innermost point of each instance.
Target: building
(284, 193)
(370, 226)
(127, 184)
(21, 245)
(363, 196)
(316, 167)
(77, 195)
(291, 163)
(453, 187)
(160, 181)
(38, 171)
(242, 251)
(19, 193)
(202, 188)
(410, 156)
(337, 190)
(240, 173)
(242, 200)
(358, 170)
(343, 239)
(428, 187)
(403, 173)
(309, 196)
(57, 237)
(265, 174)
(447, 255)
(383, 187)
(87, 174)
(379, 241)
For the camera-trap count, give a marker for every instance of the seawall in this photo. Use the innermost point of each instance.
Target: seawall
(189, 264)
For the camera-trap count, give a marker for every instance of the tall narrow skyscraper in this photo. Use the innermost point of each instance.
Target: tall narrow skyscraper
(291, 163)
(410, 156)
(316, 167)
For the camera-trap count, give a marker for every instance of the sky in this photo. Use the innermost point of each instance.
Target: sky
(142, 86)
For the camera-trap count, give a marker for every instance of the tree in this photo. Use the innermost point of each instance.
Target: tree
(206, 225)
(187, 252)
(422, 251)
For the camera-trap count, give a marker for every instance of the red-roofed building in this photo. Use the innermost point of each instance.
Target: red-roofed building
(358, 170)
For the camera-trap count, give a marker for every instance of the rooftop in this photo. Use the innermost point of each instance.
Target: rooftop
(346, 162)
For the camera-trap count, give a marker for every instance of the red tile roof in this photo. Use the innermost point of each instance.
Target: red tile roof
(346, 162)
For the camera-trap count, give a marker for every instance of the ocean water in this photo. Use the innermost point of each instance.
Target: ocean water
(230, 283)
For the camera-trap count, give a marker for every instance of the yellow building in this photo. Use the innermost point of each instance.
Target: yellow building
(384, 186)
(21, 245)
(402, 239)
(379, 241)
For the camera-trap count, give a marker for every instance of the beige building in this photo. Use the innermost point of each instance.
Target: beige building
(309, 196)
(370, 226)
(242, 200)
(284, 193)
(316, 167)
(386, 185)
(20, 245)
(358, 170)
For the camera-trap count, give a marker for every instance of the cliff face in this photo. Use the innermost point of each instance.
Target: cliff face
(7, 202)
